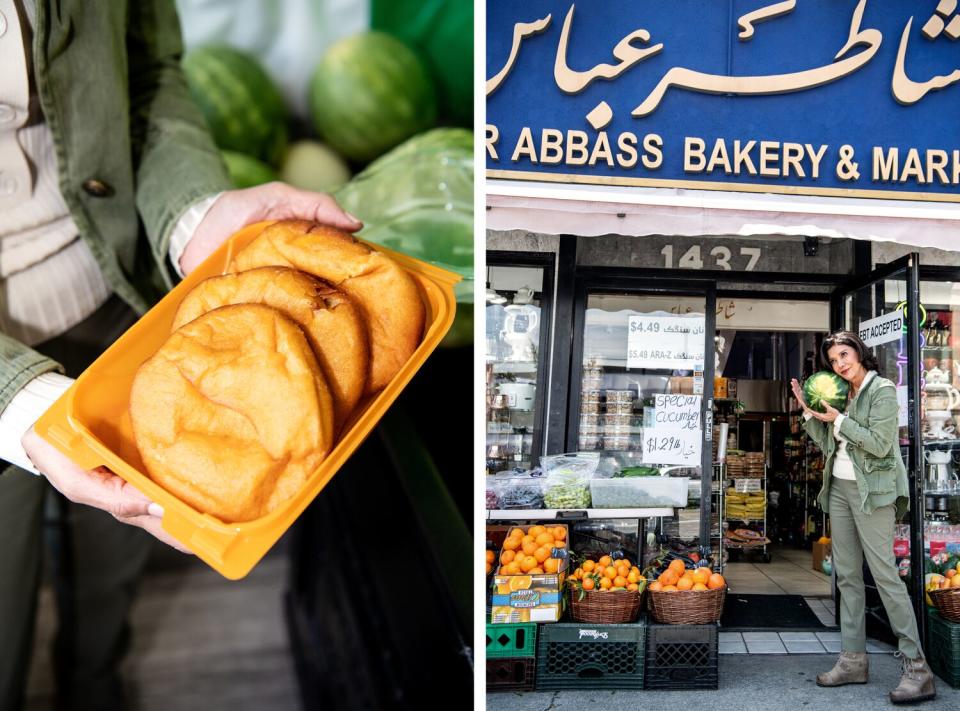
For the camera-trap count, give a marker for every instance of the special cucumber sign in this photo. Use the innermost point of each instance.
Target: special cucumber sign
(830, 97)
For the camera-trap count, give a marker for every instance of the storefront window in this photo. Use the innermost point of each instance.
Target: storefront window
(514, 362)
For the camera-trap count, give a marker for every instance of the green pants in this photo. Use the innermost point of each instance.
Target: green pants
(95, 562)
(855, 536)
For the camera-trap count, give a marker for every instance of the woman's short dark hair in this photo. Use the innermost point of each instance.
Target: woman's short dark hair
(848, 338)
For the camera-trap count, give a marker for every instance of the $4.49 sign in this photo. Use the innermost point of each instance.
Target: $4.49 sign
(665, 342)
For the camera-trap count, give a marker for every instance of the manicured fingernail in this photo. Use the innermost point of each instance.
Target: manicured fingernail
(354, 219)
(155, 510)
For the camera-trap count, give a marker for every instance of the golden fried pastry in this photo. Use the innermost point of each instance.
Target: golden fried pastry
(232, 413)
(331, 322)
(386, 294)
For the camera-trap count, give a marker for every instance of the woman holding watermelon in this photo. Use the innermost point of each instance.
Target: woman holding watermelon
(865, 492)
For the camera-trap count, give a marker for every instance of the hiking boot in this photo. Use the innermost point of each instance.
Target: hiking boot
(916, 684)
(851, 668)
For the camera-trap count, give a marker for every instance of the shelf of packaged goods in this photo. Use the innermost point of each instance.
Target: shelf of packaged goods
(515, 367)
(942, 443)
(566, 515)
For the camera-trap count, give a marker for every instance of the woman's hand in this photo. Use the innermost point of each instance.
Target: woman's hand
(236, 209)
(99, 488)
(830, 415)
(798, 394)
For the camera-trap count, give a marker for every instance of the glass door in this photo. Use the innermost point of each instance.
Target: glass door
(883, 307)
(518, 318)
(641, 389)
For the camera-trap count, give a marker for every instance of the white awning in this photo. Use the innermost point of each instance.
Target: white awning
(589, 210)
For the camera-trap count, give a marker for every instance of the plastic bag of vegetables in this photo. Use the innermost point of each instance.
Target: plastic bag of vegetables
(568, 478)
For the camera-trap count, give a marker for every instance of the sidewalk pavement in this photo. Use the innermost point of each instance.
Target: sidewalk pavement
(748, 682)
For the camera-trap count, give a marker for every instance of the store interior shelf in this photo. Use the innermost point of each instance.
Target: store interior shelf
(552, 514)
(942, 443)
(515, 367)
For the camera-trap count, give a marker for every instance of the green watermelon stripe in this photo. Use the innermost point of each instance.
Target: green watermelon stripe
(231, 84)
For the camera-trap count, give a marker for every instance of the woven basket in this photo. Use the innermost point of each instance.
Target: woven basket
(947, 603)
(608, 608)
(686, 607)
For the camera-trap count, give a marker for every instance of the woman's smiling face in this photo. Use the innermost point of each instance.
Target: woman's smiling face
(845, 361)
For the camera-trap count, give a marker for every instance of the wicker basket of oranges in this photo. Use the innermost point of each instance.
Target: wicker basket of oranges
(606, 591)
(686, 596)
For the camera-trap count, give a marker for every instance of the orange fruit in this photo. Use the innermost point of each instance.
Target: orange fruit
(589, 583)
(716, 581)
(491, 556)
(545, 539)
(699, 586)
(588, 566)
(655, 586)
(541, 553)
(685, 583)
(676, 565)
(559, 533)
(604, 561)
(633, 576)
(536, 530)
(950, 573)
(511, 544)
(559, 544)
(668, 577)
(528, 564)
(506, 557)
(633, 587)
(551, 565)
(528, 537)
(511, 568)
(701, 575)
(635, 569)
(529, 547)
(517, 532)
(669, 588)
(537, 571)
(610, 572)
(605, 583)
(955, 581)
(619, 582)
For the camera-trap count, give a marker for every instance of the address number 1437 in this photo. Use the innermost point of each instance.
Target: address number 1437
(692, 259)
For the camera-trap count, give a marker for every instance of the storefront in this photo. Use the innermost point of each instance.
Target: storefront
(659, 268)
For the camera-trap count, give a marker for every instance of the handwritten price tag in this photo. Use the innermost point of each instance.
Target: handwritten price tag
(671, 446)
(677, 411)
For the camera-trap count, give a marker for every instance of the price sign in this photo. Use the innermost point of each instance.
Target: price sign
(671, 446)
(677, 411)
(665, 342)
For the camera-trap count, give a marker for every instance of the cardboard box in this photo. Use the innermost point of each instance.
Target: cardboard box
(536, 597)
(820, 551)
(681, 385)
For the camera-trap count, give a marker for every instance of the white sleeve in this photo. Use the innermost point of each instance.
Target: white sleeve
(837, 422)
(186, 226)
(26, 407)
(806, 416)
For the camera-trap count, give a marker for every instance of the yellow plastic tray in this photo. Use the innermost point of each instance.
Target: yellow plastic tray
(90, 423)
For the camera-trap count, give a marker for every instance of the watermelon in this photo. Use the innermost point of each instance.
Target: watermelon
(369, 93)
(825, 387)
(311, 165)
(246, 171)
(241, 104)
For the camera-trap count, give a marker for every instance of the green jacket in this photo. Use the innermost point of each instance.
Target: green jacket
(871, 429)
(132, 149)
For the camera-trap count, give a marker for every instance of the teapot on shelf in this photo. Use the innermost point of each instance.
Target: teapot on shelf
(935, 376)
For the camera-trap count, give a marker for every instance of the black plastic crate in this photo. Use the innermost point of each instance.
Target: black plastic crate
(681, 657)
(511, 673)
(943, 648)
(588, 656)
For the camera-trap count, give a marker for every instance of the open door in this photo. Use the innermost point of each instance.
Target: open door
(884, 308)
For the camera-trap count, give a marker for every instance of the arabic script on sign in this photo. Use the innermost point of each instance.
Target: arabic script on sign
(670, 446)
(664, 342)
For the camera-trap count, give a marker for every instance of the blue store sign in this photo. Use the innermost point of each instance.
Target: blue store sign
(817, 97)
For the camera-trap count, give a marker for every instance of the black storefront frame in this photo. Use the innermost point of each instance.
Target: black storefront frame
(547, 262)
